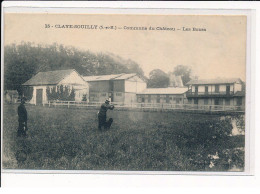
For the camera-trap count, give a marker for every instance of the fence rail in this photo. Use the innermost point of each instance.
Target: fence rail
(149, 106)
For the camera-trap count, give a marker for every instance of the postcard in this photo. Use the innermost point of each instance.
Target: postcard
(155, 93)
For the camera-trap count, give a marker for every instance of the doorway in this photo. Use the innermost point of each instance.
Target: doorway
(39, 96)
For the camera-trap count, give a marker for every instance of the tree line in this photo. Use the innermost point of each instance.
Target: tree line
(23, 61)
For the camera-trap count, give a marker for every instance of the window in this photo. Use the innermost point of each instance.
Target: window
(143, 99)
(216, 101)
(178, 100)
(103, 94)
(189, 101)
(158, 99)
(227, 102)
(167, 99)
(216, 88)
(228, 89)
(206, 101)
(196, 101)
(206, 89)
(196, 89)
(149, 98)
(118, 94)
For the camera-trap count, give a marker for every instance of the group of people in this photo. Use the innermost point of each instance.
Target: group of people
(102, 117)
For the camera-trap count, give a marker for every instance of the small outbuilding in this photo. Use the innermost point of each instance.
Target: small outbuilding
(55, 85)
(11, 96)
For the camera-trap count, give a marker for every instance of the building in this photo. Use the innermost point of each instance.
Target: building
(226, 92)
(121, 88)
(11, 96)
(53, 79)
(169, 95)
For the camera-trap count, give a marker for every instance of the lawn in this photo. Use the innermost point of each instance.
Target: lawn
(68, 139)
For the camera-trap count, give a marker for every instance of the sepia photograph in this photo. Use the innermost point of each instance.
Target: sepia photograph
(124, 92)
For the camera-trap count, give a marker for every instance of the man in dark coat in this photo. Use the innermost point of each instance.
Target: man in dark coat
(102, 115)
(22, 118)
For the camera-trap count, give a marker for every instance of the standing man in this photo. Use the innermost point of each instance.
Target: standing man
(22, 118)
(102, 115)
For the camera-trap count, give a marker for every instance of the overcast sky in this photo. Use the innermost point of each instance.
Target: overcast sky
(220, 51)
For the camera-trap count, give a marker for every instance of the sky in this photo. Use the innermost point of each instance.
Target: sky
(220, 51)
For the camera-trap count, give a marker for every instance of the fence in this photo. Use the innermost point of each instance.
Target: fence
(149, 106)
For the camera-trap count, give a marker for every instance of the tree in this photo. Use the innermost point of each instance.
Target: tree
(158, 79)
(25, 60)
(27, 92)
(184, 72)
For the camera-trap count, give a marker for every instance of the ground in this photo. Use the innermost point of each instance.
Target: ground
(62, 138)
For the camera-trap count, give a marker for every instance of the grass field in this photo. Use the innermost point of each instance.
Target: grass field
(61, 138)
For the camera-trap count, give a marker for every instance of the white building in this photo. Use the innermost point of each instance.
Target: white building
(52, 79)
(228, 92)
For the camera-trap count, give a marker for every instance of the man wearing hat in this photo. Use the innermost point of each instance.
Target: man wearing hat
(22, 118)
(102, 115)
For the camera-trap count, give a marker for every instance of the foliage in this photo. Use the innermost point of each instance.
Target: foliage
(158, 79)
(65, 139)
(27, 59)
(27, 92)
(84, 97)
(60, 92)
(184, 72)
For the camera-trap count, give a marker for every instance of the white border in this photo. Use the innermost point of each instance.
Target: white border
(109, 7)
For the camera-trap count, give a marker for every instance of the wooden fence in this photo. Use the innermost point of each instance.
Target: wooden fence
(149, 106)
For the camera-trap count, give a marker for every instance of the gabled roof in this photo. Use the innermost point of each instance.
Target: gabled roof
(215, 81)
(122, 76)
(170, 90)
(48, 78)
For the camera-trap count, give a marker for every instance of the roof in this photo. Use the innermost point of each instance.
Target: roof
(49, 77)
(214, 81)
(170, 90)
(122, 76)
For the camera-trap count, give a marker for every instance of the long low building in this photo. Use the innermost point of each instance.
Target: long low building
(171, 95)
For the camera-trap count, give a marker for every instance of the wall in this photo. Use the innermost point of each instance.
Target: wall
(44, 96)
(211, 88)
(119, 85)
(211, 101)
(99, 86)
(119, 97)
(80, 93)
(173, 98)
(78, 83)
(238, 87)
(72, 79)
(135, 85)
